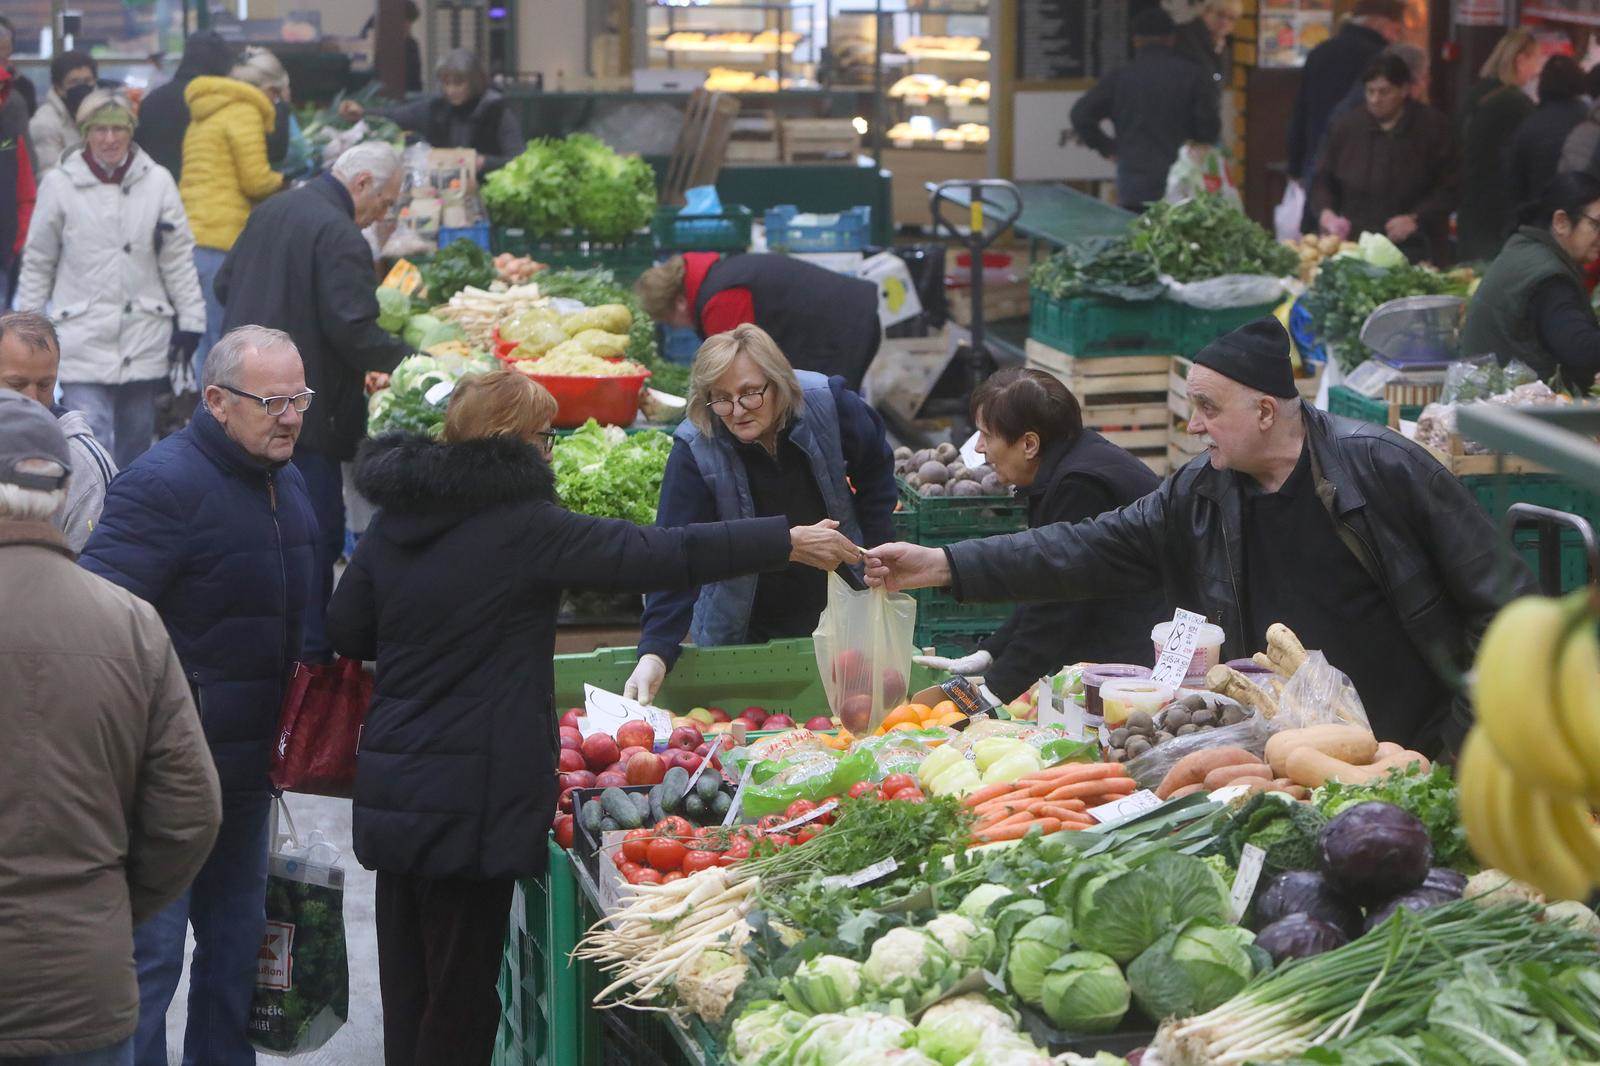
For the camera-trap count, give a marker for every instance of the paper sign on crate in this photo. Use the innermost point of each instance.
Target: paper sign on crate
(606, 712)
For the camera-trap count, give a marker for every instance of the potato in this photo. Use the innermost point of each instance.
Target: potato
(1224, 774)
(1346, 743)
(1193, 768)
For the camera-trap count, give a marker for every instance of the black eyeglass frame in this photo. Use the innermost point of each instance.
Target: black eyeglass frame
(266, 402)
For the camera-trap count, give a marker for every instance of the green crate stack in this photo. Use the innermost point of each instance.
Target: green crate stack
(903, 523)
(1201, 327)
(1496, 492)
(953, 637)
(1343, 400)
(697, 233)
(627, 259)
(945, 520)
(1083, 326)
(545, 1018)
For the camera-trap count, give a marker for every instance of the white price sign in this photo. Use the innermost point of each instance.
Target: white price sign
(809, 816)
(711, 753)
(1173, 665)
(1126, 807)
(606, 712)
(738, 796)
(1251, 858)
(863, 876)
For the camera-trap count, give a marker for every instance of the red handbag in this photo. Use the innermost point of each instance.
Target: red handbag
(319, 728)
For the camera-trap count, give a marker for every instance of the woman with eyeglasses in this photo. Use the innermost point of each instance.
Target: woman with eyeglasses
(762, 439)
(1532, 303)
(454, 590)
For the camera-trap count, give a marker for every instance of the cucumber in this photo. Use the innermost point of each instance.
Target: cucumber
(694, 807)
(590, 816)
(709, 785)
(641, 804)
(657, 811)
(720, 805)
(616, 804)
(673, 786)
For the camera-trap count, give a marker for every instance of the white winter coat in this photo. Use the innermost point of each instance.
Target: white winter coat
(92, 257)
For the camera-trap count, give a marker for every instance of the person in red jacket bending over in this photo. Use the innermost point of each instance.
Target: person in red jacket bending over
(17, 189)
(822, 320)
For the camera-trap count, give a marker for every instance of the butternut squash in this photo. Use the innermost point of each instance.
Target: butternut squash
(1346, 743)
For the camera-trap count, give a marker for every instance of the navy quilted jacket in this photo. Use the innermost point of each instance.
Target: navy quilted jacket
(221, 546)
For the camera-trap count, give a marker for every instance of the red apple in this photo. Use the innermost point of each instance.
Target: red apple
(636, 735)
(646, 768)
(758, 713)
(686, 737)
(678, 757)
(719, 714)
(571, 760)
(564, 801)
(705, 749)
(751, 724)
(578, 779)
(628, 753)
(611, 778)
(819, 723)
(570, 719)
(615, 768)
(850, 674)
(894, 687)
(571, 738)
(600, 751)
(689, 761)
(778, 721)
(855, 713)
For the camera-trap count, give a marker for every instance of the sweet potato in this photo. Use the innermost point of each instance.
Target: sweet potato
(1346, 743)
(1310, 767)
(1224, 774)
(1193, 768)
(1187, 790)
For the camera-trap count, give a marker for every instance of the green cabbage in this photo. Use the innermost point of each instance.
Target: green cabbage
(1084, 992)
(832, 1039)
(607, 473)
(981, 900)
(951, 1030)
(1034, 947)
(968, 944)
(1380, 251)
(1191, 969)
(1119, 911)
(826, 984)
(1195, 889)
(908, 964)
(764, 1029)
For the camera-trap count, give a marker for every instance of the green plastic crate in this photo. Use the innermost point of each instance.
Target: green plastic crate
(1495, 493)
(904, 525)
(939, 606)
(942, 520)
(781, 677)
(545, 1018)
(727, 231)
(626, 259)
(1198, 328)
(953, 637)
(1343, 400)
(1085, 326)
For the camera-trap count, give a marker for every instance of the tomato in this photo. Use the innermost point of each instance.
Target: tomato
(803, 834)
(675, 828)
(738, 848)
(666, 854)
(635, 845)
(864, 789)
(895, 782)
(646, 876)
(727, 859)
(798, 809)
(712, 842)
(779, 840)
(563, 830)
(909, 795)
(629, 871)
(675, 875)
(697, 860)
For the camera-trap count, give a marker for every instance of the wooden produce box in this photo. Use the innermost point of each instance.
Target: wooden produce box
(1456, 460)
(1124, 398)
(756, 138)
(820, 140)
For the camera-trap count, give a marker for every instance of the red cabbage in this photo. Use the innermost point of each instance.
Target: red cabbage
(1299, 936)
(1418, 899)
(1375, 851)
(1306, 892)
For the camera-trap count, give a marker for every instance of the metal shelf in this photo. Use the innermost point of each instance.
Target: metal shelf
(1560, 438)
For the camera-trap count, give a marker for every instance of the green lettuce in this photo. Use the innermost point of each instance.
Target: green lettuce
(607, 473)
(573, 183)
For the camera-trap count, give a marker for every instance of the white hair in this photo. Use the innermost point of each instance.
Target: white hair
(30, 505)
(369, 157)
(226, 358)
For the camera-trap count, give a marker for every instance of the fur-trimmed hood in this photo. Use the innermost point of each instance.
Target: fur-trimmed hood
(425, 487)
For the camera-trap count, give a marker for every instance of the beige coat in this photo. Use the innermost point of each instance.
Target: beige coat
(109, 802)
(54, 132)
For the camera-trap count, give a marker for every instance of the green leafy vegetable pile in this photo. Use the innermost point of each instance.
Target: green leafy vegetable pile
(404, 406)
(1099, 267)
(1348, 289)
(1430, 796)
(456, 266)
(394, 308)
(595, 287)
(1284, 829)
(575, 183)
(1207, 237)
(607, 473)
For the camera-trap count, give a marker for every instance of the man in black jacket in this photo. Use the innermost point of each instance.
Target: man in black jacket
(1331, 68)
(1156, 104)
(164, 116)
(1346, 532)
(301, 265)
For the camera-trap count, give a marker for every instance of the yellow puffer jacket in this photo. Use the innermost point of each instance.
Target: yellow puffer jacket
(225, 166)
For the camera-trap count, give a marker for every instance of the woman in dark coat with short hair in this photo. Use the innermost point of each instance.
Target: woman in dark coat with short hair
(454, 590)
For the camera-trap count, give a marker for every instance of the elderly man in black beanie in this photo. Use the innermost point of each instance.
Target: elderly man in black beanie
(1351, 535)
(1156, 104)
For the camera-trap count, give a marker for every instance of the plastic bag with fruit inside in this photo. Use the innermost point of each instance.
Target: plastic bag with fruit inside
(864, 648)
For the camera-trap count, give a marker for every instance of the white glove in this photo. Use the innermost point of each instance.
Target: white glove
(966, 666)
(645, 681)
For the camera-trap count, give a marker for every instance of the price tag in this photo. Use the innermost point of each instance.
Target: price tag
(864, 876)
(1244, 882)
(809, 816)
(711, 753)
(606, 712)
(1173, 665)
(440, 392)
(738, 796)
(1062, 712)
(1126, 807)
(970, 454)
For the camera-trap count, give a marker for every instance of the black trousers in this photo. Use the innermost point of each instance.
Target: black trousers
(439, 948)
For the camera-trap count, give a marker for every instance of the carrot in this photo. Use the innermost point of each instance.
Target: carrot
(1085, 790)
(1051, 810)
(1017, 816)
(990, 792)
(1017, 831)
(1010, 799)
(1074, 771)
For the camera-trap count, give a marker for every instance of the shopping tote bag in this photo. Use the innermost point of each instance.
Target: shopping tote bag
(302, 993)
(319, 728)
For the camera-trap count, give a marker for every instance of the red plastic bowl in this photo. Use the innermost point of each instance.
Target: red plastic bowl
(503, 348)
(611, 401)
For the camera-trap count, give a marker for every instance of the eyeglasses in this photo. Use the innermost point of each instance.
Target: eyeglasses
(546, 439)
(276, 406)
(750, 401)
(1595, 222)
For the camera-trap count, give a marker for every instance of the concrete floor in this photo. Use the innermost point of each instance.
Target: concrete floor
(360, 1041)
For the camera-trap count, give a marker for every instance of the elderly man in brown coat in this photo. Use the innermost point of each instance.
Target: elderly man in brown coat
(109, 801)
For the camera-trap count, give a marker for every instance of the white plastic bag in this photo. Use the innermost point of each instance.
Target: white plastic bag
(1200, 170)
(864, 647)
(1229, 290)
(1286, 216)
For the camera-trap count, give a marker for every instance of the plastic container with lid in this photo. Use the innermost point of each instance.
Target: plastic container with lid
(1207, 647)
(1122, 696)
(1096, 677)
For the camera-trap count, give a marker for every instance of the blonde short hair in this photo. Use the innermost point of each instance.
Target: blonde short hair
(719, 352)
(500, 403)
(659, 287)
(1502, 62)
(262, 69)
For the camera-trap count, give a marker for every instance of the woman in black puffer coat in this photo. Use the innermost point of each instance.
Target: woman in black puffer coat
(454, 590)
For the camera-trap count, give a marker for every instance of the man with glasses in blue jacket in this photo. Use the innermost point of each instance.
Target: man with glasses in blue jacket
(213, 528)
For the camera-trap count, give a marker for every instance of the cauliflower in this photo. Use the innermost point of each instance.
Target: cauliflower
(908, 964)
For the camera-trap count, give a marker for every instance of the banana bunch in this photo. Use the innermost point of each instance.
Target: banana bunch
(1531, 766)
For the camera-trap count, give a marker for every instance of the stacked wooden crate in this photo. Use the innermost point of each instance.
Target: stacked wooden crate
(1123, 396)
